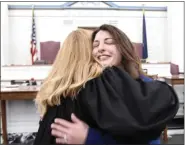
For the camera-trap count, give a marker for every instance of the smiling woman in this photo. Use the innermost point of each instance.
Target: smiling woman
(111, 46)
(104, 49)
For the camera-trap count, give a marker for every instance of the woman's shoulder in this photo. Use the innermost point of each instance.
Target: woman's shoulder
(112, 78)
(109, 75)
(112, 72)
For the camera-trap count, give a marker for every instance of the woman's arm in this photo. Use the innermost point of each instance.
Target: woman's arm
(78, 132)
(92, 136)
(95, 136)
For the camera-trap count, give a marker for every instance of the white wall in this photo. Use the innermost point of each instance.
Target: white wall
(22, 116)
(164, 29)
(5, 59)
(56, 24)
(176, 33)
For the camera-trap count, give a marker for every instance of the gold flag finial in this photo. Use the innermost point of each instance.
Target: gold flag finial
(33, 10)
(143, 8)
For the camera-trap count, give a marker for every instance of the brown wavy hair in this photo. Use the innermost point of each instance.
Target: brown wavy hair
(130, 59)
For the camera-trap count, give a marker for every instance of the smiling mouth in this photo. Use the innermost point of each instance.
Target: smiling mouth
(103, 57)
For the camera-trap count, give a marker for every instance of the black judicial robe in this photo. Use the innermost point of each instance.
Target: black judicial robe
(132, 111)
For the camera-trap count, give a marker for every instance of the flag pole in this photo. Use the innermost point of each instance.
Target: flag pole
(143, 11)
(33, 49)
(33, 10)
(145, 49)
(31, 36)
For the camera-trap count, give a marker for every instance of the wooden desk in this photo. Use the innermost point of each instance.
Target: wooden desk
(29, 93)
(19, 93)
(173, 80)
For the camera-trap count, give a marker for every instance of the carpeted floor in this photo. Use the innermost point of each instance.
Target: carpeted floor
(176, 139)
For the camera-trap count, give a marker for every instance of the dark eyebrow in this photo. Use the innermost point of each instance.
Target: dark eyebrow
(96, 41)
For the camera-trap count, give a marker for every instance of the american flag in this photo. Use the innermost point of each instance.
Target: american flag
(33, 49)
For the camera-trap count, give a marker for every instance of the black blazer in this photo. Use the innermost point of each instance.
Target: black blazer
(132, 111)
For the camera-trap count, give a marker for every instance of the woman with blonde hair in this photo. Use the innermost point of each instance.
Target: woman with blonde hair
(97, 94)
(73, 67)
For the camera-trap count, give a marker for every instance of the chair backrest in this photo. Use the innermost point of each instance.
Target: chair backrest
(139, 49)
(49, 50)
(174, 69)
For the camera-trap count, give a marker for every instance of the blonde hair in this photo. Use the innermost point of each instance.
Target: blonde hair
(73, 67)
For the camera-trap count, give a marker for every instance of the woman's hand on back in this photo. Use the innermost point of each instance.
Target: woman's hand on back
(66, 132)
